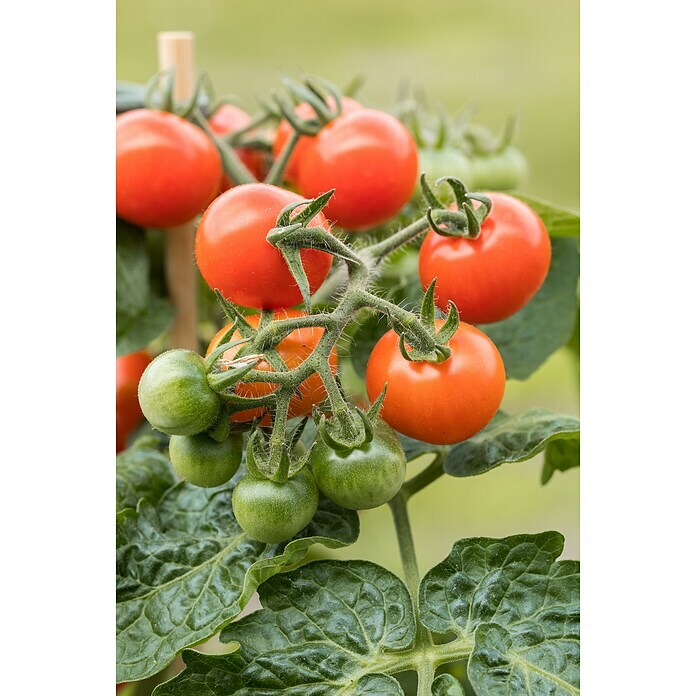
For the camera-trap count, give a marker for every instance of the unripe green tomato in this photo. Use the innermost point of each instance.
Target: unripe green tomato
(275, 512)
(203, 461)
(446, 161)
(499, 172)
(364, 477)
(175, 396)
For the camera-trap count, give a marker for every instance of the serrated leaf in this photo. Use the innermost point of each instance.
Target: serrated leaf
(327, 629)
(141, 472)
(510, 438)
(528, 338)
(506, 439)
(185, 569)
(559, 222)
(141, 316)
(447, 685)
(560, 455)
(514, 607)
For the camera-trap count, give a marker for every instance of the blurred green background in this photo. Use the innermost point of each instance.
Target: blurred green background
(506, 56)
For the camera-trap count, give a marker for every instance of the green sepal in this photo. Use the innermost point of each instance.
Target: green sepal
(449, 328)
(430, 198)
(236, 369)
(376, 407)
(293, 258)
(427, 309)
(222, 347)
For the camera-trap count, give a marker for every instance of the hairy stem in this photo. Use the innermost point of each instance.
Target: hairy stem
(277, 171)
(381, 250)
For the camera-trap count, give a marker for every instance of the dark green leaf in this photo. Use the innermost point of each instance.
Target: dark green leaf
(141, 316)
(141, 472)
(514, 608)
(185, 569)
(510, 438)
(447, 685)
(528, 338)
(559, 222)
(328, 628)
(560, 455)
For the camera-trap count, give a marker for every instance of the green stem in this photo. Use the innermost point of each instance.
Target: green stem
(402, 524)
(233, 139)
(277, 171)
(381, 250)
(431, 473)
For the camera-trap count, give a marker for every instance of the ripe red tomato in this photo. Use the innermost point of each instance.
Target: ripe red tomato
(294, 349)
(285, 130)
(491, 277)
(167, 169)
(129, 369)
(234, 256)
(227, 119)
(370, 158)
(440, 403)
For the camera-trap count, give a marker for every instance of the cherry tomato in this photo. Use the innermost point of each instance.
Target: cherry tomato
(370, 158)
(491, 277)
(175, 396)
(228, 119)
(447, 161)
(440, 403)
(275, 512)
(499, 171)
(294, 349)
(234, 256)
(285, 130)
(129, 370)
(167, 169)
(203, 461)
(364, 477)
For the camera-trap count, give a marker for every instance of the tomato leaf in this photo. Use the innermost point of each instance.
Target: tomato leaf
(344, 627)
(141, 316)
(559, 222)
(185, 569)
(327, 628)
(141, 472)
(447, 685)
(509, 439)
(514, 608)
(528, 338)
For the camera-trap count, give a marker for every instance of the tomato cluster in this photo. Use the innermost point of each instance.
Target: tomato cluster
(437, 390)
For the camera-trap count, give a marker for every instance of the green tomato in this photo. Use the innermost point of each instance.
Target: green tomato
(203, 461)
(499, 172)
(175, 396)
(444, 162)
(364, 477)
(274, 512)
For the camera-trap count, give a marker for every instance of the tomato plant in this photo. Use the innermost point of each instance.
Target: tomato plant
(267, 446)
(494, 275)
(293, 350)
(234, 256)
(371, 160)
(167, 170)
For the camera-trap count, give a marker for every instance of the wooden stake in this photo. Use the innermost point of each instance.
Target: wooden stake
(175, 49)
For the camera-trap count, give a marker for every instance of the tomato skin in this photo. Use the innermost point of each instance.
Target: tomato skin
(439, 403)
(491, 277)
(285, 130)
(167, 169)
(129, 370)
(364, 477)
(175, 396)
(499, 171)
(294, 349)
(371, 159)
(203, 461)
(448, 161)
(275, 512)
(229, 118)
(234, 256)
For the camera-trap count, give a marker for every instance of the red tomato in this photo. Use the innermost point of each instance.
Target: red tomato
(285, 130)
(167, 169)
(371, 159)
(440, 403)
(129, 370)
(234, 256)
(294, 350)
(491, 277)
(227, 119)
